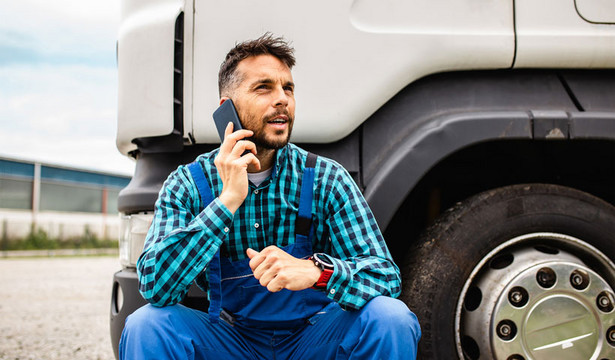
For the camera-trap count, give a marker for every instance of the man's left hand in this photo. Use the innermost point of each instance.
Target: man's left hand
(277, 270)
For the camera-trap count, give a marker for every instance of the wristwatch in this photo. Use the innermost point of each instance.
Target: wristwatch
(325, 275)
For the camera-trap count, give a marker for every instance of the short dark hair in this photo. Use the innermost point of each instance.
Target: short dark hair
(267, 44)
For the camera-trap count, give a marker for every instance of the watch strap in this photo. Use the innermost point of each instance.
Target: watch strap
(325, 275)
(323, 280)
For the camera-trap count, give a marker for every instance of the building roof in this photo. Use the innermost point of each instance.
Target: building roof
(16, 168)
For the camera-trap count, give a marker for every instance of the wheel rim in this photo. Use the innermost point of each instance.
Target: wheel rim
(538, 296)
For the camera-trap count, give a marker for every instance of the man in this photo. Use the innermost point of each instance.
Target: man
(289, 251)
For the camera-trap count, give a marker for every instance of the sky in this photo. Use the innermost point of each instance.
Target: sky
(58, 83)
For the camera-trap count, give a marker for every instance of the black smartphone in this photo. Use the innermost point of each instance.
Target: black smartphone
(223, 115)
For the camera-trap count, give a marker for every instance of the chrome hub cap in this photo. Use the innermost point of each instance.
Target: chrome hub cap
(525, 301)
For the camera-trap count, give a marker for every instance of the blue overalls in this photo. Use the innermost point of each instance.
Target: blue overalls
(258, 324)
(233, 287)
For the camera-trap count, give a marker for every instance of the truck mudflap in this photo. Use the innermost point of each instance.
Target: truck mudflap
(126, 299)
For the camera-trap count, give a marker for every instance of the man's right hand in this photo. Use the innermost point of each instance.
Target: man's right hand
(233, 167)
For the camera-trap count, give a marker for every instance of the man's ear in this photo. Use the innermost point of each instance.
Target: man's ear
(223, 99)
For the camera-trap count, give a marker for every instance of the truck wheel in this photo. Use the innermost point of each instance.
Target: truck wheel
(519, 272)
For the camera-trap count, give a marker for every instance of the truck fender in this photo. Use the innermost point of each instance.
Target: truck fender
(442, 136)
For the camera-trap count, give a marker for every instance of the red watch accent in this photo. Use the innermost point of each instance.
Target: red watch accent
(323, 280)
(325, 275)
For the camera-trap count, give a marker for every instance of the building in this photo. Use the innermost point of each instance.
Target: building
(64, 202)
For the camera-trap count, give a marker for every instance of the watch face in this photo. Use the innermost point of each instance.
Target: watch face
(322, 263)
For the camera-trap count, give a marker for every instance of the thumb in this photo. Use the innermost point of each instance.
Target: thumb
(251, 253)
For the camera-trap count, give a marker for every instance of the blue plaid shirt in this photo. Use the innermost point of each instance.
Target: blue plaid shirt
(184, 236)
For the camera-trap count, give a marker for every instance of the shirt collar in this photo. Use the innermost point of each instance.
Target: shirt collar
(280, 158)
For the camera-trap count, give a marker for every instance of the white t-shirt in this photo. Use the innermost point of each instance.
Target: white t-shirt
(259, 177)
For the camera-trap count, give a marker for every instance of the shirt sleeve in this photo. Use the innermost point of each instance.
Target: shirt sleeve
(363, 266)
(181, 240)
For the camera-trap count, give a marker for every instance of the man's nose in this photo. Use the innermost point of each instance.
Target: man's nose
(280, 97)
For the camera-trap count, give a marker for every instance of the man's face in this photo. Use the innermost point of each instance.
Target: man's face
(265, 100)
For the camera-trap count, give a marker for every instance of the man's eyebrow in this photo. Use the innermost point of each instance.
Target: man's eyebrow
(262, 81)
(271, 81)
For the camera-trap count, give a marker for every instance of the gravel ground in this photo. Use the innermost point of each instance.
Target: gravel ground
(56, 308)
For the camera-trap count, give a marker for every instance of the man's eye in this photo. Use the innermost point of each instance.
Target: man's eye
(289, 89)
(261, 87)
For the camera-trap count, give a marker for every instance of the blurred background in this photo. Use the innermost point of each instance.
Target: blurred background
(60, 174)
(58, 82)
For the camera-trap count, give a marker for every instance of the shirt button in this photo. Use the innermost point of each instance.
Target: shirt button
(256, 225)
(332, 291)
(256, 192)
(226, 229)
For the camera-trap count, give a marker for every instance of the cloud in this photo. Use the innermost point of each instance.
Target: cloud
(59, 31)
(78, 100)
(61, 114)
(16, 55)
(58, 83)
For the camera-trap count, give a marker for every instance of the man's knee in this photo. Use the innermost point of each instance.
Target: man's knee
(150, 322)
(385, 328)
(389, 314)
(154, 332)
(148, 316)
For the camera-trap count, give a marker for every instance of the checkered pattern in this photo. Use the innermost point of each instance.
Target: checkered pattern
(184, 236)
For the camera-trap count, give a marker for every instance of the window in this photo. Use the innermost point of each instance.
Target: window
(112, 195)
(15, 194)
(61, 197)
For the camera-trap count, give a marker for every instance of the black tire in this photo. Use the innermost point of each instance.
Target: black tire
(448, 253)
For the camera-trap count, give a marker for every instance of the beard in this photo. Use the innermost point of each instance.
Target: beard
(265, 140)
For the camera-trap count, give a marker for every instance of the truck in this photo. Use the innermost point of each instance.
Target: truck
(482, 134)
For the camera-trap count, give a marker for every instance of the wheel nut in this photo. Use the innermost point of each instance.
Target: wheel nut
(518, 296)
(579, 279)
(506, 330)
(546, 277)
(610, 335)
(605, 301)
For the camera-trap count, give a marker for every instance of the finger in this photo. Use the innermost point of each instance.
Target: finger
(227, 146)
(267, 276)
(268, 268)
(229, 129)
(270, 249)
(238, 135)
(255, 262)
(231, 138)
(275, 285)
(241, 146)
(251, 253)
(250, 159)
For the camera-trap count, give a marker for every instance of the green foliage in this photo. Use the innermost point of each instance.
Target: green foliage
(38, 239)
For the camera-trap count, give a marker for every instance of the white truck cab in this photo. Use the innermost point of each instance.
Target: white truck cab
(482, 134)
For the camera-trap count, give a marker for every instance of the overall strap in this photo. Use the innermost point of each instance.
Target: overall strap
(304, 219)
(215, 291)
(198, 176)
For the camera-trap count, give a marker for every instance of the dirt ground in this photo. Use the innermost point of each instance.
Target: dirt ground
(56, 308)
